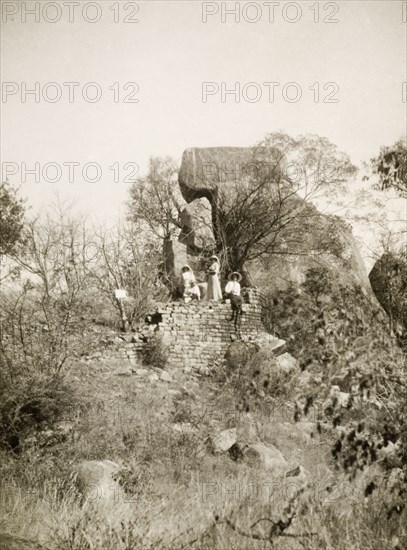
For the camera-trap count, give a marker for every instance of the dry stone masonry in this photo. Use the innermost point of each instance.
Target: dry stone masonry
(195, 334)
(198, 332)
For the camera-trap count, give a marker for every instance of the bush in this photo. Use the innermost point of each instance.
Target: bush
(155, 352)
(343, 340)
(30, 401)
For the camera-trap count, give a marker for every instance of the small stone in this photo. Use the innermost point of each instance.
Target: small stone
(287, 362)
(153, 377)
(165, 377)
(123, 371)
(266, 456)
(223, 441)
(141, 372)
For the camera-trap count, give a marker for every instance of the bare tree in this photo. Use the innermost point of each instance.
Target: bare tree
(54, 265)
(128, 260)
(268, 210)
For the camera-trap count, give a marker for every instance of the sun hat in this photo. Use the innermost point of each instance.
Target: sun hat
(214, 258)
(239, 277)
(186, 266)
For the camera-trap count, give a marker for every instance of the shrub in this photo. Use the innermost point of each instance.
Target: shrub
(155, 352)
(30, 401)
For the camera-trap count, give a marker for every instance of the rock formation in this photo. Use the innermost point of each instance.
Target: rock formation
(196, 220)
(320, 239)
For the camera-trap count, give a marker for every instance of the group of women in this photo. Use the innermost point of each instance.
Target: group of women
(191, 290)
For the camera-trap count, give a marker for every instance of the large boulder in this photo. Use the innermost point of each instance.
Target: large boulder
(319, 239)
(388, 279)
(196, 221)
(204, 170)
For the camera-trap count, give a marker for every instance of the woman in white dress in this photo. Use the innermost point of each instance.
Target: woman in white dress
(214, 291)
(191, 289)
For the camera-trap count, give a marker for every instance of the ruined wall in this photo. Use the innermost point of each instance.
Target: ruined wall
(195, 333)
(199, 331)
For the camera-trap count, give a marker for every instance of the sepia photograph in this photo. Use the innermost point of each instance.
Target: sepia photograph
(203, 275)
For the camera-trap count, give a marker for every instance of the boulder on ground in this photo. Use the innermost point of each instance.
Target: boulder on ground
(95, 481)
(267, 457)
(247, 429)
(123, 370)
(222, 441)
(287, 362)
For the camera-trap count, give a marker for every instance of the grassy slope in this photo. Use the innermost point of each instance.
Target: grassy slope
(180, 492)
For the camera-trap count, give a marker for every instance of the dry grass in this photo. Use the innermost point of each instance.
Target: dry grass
(179, 495)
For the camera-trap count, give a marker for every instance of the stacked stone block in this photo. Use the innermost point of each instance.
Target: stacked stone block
(198, 332)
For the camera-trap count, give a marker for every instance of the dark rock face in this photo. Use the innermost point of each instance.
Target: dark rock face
(388, 279)
(320, 240)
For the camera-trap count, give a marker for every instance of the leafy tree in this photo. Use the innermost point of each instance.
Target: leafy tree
(390, 166)
(11, 218)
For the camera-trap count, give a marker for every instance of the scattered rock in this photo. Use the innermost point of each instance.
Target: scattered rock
(287, 362)
(266, 456)
(184, 428)
(204, 370)
(341, 397)
(187, 370)
(165, 376)
(95, 481)
(247, 429)
(124, 370)
(153, 377)
(223, 441)
(141, 372)
(299, 474)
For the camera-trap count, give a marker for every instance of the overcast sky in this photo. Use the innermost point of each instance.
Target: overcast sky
(169, 53)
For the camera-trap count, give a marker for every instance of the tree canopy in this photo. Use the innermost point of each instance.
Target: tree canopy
(390, 165)
(11, 218)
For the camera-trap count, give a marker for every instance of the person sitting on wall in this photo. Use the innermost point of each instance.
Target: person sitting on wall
(232, 292)
(190, 288)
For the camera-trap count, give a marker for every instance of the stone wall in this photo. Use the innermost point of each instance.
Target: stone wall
(195, 333)
(198, 332)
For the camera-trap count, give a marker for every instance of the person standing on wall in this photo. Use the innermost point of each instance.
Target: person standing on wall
(214, 291)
